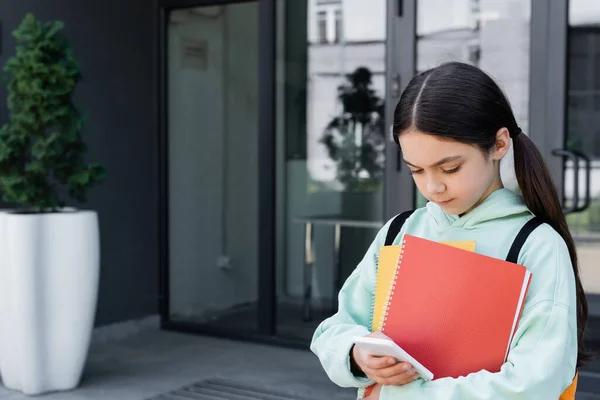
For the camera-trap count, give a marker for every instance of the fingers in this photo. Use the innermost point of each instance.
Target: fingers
(395, 380)
(373, 362)
(396, 369)
(385, 370)
(397, 374)
(399, 380)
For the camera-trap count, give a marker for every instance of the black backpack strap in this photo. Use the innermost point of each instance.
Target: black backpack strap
(515, 249)
(396, 226)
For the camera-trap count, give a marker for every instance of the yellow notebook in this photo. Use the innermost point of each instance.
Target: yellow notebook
(386, 268)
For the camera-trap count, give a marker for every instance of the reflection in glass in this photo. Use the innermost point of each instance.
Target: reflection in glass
(491, 34)
(583, 134)
(322, 26)
(583, 90)
(330, 122)
(212, 99)
(338, 26)
(354, 138)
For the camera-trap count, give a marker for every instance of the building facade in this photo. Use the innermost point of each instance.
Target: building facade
(247, 142)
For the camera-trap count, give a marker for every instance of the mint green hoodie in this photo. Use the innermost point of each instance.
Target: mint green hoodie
(543, 354)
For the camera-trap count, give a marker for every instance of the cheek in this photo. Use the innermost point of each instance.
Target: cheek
(419, 183)
(470, 187)
(475, 181)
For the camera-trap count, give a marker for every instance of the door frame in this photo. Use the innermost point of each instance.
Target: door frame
(548, 81)
(399, 187)
(174, 4)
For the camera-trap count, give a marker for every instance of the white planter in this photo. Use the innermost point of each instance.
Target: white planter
(49, 270)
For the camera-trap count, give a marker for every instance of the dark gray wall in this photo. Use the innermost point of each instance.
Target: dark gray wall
(115, 42)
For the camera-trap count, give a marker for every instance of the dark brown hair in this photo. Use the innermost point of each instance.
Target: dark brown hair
(460, 102)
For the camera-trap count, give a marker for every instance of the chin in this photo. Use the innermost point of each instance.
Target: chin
(454, 210)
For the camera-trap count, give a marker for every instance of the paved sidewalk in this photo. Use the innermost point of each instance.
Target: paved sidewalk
(155, 362)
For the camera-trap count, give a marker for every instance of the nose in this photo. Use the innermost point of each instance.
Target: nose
(435, 187)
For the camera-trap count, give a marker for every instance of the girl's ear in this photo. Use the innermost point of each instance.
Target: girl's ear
(502, 144)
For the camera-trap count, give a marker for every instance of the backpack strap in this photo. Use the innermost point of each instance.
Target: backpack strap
(396, 226)
(515, 249)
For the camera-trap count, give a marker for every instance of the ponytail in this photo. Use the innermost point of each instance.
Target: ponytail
(541, 198)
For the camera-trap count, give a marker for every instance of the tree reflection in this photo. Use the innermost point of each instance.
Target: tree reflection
(355, 138)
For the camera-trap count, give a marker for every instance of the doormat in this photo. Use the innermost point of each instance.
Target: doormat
(227, 390)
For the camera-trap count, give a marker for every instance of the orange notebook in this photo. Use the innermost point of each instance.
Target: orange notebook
(455, 311)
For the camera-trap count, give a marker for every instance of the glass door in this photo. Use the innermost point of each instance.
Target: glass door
(337, 85)
(212, 136)
(582, 141)
(565, 111)
(336, 177)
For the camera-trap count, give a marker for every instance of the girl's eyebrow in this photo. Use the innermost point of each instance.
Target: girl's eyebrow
(438, 163)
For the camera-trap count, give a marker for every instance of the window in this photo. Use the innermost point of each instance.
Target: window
(584, 85)
(322, 26)
(338, 26)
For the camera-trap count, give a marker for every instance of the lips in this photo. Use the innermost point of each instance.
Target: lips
(445, 202)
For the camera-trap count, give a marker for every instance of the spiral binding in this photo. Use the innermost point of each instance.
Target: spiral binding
(361, 393)
(391, 290)
(372, 309)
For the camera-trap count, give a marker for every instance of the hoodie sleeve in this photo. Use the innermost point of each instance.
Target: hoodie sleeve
(332, 339)
(542, 359)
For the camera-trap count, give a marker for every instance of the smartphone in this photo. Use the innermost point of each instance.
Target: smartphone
(386, 347)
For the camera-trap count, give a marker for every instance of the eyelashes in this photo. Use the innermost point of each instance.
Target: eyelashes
(450, 171)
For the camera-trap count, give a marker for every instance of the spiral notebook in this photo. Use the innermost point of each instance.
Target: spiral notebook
(434, 301)
(453, 310)
(387, 261)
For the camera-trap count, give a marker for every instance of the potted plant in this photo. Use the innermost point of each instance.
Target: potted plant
(49, 263)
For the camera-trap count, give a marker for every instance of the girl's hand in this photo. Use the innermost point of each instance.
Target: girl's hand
(383, 370)
(374, 393)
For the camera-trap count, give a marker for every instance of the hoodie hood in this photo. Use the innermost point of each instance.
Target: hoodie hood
(499, 204)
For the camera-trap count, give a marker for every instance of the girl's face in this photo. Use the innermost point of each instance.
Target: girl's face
(456, 176)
